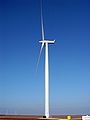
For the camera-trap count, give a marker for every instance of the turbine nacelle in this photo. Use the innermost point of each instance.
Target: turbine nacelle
(47, 41)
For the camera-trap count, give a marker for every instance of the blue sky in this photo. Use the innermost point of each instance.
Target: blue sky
(21, 90)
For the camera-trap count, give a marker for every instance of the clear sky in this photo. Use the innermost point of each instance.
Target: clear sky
(21, 90)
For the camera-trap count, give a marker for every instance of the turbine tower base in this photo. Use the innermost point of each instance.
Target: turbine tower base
(44, 116)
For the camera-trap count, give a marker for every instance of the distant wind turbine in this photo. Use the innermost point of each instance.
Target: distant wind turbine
(45, 43)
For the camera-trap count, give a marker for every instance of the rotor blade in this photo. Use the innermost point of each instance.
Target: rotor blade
(39, 56)
(42, 24)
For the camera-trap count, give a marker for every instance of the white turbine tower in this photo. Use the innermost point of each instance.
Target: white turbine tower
(45, 43)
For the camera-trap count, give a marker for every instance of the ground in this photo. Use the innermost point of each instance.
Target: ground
(22, 117)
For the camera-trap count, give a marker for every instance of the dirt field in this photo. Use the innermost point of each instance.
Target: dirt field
(21, 117)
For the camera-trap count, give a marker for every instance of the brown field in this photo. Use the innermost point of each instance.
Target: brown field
(22, 117)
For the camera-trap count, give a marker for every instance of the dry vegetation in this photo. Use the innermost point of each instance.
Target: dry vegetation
(21, 117)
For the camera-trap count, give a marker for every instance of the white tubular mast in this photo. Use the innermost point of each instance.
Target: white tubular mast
(46, 42)
(46, 82)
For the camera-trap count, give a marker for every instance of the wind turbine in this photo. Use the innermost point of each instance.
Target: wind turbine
(45, 44)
